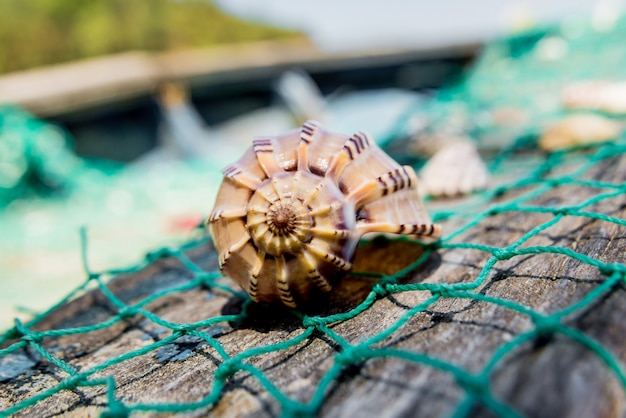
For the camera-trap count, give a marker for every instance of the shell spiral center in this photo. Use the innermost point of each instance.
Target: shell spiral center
(282, 220)
(283, 228)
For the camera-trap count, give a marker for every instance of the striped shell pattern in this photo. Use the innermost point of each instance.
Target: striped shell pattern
(290, 212)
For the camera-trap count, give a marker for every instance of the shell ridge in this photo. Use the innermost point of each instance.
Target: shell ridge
(276, 189)
(427, 230)
(354, 146)
(312, 273)
(253, 280)
(391, 182)
(236, 174)
(227, 214)
(282, 284)
(326, 255)
(360, 141)
(255, 209)
(327, 232)
(262, 229)
(267, 197)
(295, 180)
(307, 135)
(308, 130)
(313, 194)
(338, 164)
(323, 210)
(223, 258)
(264, 150)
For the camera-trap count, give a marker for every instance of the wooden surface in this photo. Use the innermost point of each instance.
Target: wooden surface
(82, 85)
(547, 377)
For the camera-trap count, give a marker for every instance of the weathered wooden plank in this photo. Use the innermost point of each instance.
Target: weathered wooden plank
(79, 86)
(550, 374)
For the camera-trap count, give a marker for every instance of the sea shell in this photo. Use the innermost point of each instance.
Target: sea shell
(579, 129)
(455, 169)
(289, 213)
(605, 96)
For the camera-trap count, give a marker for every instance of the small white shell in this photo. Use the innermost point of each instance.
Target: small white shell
(290, 212)
(456, 169)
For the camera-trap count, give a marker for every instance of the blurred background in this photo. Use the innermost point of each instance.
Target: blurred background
(118, 116)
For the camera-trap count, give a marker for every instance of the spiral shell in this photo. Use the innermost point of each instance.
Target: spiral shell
(290, 212)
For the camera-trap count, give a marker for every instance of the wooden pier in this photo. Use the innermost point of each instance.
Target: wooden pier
(80, 86)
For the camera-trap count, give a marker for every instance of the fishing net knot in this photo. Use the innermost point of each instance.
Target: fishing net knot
(547, 324)
(561, 211)
(127, 312)
(20, 331)
(503, 254)
(72, 382)
(474, 384)
(227, 368)
(380, 289)
(351, 355)
(610, 269)
(182, 329)
(160, 253)
(206, 279)
(313, 321)
(443, 290)
(32, 337)
(116, 410)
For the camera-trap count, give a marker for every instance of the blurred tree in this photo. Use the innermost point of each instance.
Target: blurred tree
(40, 32)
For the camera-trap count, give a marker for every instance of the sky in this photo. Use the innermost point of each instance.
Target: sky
(347, 25)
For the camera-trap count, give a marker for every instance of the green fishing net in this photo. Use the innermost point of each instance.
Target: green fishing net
(526, 214)
(34, 157)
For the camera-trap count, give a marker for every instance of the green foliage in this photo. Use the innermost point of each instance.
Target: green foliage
(40, 32)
